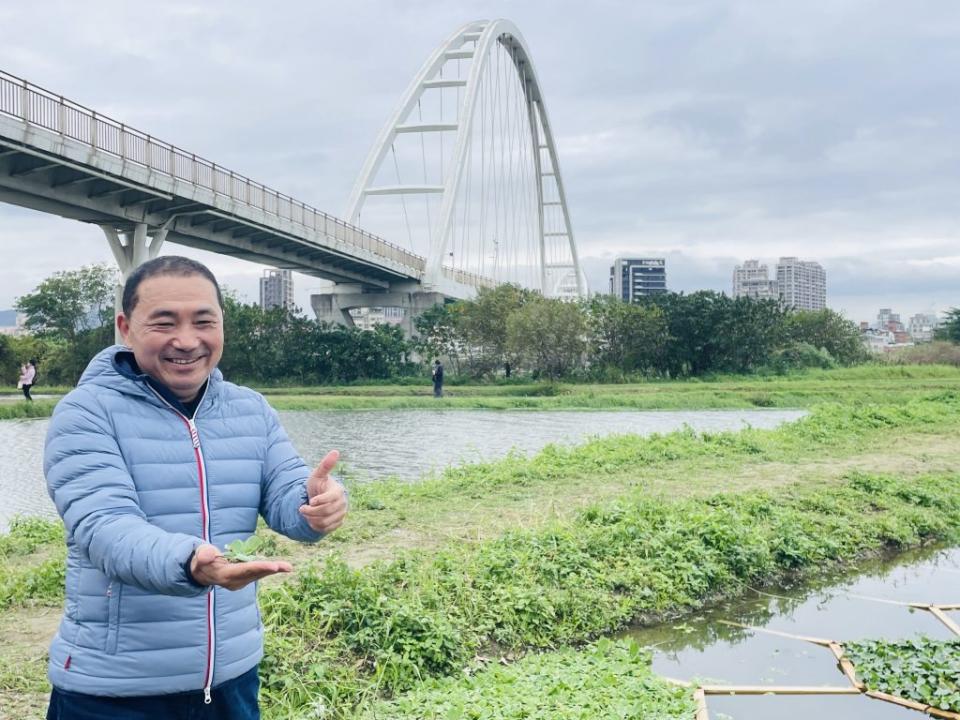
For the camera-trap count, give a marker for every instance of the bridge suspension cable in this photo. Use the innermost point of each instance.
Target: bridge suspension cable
(473, 180)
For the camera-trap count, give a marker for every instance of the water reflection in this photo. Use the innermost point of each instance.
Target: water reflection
(405, 443)
(707, 649)
(804, 707)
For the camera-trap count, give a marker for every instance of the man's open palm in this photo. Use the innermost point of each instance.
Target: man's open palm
(210, 567)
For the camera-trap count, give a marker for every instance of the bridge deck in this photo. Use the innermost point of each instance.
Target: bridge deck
(60, 157)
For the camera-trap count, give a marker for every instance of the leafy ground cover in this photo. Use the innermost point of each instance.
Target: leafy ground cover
(395, 624)
(32, 563)
(604, 680)
(682, 520)
(920, 669)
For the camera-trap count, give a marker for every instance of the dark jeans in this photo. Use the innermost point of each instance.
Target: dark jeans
(233, 700)
(438, 389)
(26, 391)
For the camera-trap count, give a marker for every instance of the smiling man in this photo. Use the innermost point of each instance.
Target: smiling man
(155, 463)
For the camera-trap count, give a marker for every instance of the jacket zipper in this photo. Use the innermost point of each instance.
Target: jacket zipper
(205, 535)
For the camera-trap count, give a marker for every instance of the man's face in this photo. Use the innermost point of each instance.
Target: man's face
(175, 331)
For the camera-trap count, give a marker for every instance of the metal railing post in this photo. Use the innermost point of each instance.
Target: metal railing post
(25, 103)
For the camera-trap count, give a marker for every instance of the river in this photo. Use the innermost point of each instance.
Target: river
(842, 607)
(404, 443)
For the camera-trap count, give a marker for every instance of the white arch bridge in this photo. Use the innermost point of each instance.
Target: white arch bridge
(463, 178)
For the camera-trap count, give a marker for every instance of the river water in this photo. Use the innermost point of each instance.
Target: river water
(404, 443)
(841, 608)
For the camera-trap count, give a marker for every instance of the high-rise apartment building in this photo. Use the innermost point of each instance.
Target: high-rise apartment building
(801, 284)
(922, 326)
(276, 289)
(886, 317)
(753, 280)
(633, 278)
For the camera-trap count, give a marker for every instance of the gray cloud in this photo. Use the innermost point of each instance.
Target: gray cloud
(708, 131)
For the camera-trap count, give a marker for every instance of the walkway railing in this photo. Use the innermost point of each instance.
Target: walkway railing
(41, 108)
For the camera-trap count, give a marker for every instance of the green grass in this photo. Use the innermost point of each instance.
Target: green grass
(388, 626)
(402, 631)
(829, 429)
(32, 563)
(604, 680)
(23, 409)
(866, 384)
(860, 385)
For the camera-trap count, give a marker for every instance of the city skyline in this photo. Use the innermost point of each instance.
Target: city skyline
(666, 151)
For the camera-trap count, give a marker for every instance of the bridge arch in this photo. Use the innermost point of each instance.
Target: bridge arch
(528, 159)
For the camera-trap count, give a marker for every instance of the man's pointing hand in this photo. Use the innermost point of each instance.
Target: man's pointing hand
(327, 501)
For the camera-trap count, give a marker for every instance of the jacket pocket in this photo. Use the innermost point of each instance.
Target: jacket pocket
(114, 593)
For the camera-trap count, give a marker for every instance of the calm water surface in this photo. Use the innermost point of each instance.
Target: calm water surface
(711, 651)
(404, 443)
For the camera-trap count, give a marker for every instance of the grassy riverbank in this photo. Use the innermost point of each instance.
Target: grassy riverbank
(521, 555)
(881, 384)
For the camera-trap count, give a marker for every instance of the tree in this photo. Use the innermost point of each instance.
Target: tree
(548, 336)
(950, 329)
(694, 324)
(624, 337)
(437, 336)
(750, 330)
(482, 325)
(280, 346)
(70, 302)
(827, 330)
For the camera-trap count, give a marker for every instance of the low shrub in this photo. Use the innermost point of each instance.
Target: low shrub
(939, 352)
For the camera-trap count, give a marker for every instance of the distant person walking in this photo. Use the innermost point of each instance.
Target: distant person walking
(28, 373)
(437, 379)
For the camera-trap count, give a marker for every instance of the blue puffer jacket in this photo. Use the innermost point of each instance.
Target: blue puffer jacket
(139, 486)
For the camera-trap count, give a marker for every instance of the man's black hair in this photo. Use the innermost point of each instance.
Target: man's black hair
(175, 265)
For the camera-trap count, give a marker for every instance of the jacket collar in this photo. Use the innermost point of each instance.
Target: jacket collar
(116, 368)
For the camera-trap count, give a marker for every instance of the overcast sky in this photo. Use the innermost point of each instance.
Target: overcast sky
(708, 132)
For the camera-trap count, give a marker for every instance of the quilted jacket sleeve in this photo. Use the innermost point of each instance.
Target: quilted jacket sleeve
(89, 483)
(284, 481)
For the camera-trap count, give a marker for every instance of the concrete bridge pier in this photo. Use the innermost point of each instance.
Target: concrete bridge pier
(130, 252)
(334, 307)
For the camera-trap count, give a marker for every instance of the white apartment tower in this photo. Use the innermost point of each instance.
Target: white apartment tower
(801, 284)
(753, 280)
(276, 289)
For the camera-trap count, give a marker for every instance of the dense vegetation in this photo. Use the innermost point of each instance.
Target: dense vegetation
(606, 679)
(341, 638)
(950, 329)
(670, 335)
(920, 669)
(504, 331)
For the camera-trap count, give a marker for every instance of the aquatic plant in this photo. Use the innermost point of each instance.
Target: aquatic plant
(920, 669)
